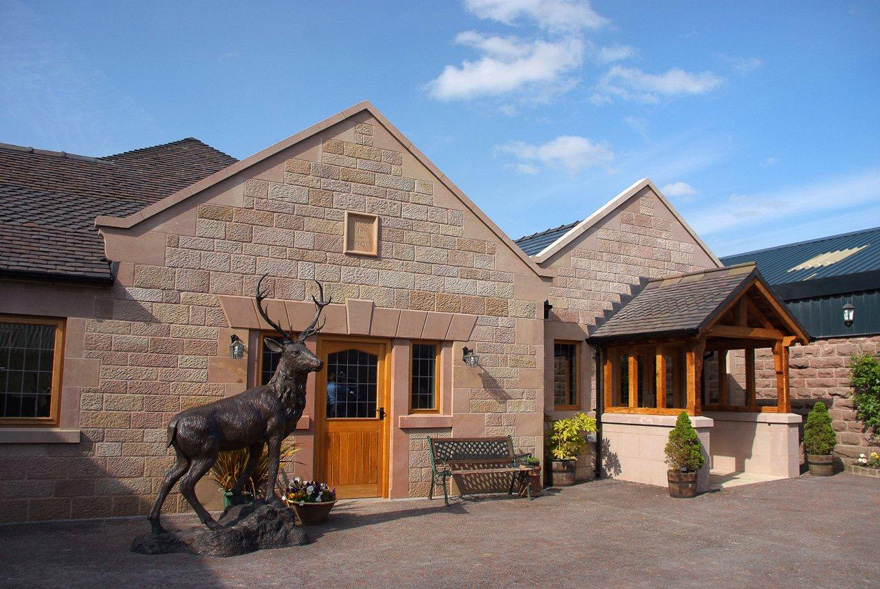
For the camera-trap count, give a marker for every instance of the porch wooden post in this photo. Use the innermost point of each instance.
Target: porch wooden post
(751, 399)
(633, 379)
(694, 370)
(780, 363)
(660, 388)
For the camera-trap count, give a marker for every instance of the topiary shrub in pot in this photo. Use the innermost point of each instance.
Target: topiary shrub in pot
(684, 456)
(565, 441)
(819, 440)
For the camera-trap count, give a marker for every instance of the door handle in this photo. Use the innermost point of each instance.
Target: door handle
(381, 413)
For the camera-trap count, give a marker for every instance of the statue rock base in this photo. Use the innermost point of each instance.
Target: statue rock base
(244, 529)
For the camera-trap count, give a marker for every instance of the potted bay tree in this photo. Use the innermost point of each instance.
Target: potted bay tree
(819, 440)
(566, 442)
(684, 456)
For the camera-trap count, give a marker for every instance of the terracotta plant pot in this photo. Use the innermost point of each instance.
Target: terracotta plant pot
(562, 472)
(533, 482)
(821, 465)
(682, 484)
(313, 514)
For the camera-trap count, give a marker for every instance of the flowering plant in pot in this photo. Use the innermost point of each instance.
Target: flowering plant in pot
(684, 456)
(819, 441)
(231, 464)
(311, 500)
(566, 442)
(871, 460)
(533, 465)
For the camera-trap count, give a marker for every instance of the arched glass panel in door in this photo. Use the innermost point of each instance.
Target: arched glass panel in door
(351, 384)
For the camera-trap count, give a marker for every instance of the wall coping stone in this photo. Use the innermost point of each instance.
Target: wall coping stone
(698, 421)
(424, 421)
(791, 418)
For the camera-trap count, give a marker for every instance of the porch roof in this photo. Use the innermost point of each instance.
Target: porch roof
(687, 304)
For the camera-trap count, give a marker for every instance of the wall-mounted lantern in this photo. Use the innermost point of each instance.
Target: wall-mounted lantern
(849, 314)
(469, 358)
(236, 348)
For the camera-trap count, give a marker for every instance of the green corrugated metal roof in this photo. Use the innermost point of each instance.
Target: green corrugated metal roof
(837, 255)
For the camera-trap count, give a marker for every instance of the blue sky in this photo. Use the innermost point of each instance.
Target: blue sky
(760, 120)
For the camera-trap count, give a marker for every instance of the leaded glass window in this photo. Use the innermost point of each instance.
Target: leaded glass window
(28, 368)
(424, 377)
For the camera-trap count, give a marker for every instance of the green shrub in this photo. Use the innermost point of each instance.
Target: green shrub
(866, 390)
(683, 450)
(566, 440)
(819, 437)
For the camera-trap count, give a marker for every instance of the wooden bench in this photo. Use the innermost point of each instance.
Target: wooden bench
(474, 456)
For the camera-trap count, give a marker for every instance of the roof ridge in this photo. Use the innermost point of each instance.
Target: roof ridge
(149, 147)
(706, 271)
(546, 231)
(49, 152)
(800, 243)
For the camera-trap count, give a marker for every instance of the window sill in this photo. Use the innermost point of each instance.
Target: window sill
(38, 435)
(425, 421)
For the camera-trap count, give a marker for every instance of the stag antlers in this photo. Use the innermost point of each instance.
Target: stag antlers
(288, 335)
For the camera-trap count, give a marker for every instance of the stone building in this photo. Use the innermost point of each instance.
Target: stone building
(818, 279)
(127, 278)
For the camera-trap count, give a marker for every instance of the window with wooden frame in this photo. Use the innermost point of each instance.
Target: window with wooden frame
(645, 379)
(424, 380)
(31, 350)
(566, 375)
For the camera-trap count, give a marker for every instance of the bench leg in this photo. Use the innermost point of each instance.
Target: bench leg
(513, 480)
(445, 492)
(431, 489)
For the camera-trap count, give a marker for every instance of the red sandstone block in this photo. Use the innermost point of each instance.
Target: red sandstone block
(13, 511)
(49, 509)
(91, 507)
(74, 488)
(47, 468)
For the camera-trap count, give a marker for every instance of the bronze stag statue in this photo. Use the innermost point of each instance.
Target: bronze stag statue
(266, 414)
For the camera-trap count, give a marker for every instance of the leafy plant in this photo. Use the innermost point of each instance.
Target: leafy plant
(872, 460)
(300, 491)
(531, 460)
(230, 466)
(683, 450)
(566, 440)
(819, 438)
(865, 381)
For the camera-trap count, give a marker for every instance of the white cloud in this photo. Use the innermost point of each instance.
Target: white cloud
(508, 64)
(508, 109)
(743, 65)
(770, 161)
(634, 84)
(549, 15)
(568, 152)
(678, 190)
(529, 169)
(637, 124)
(615, 53)
(832, 197)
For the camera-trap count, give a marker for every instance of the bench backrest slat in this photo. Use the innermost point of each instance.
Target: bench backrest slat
(471, 450)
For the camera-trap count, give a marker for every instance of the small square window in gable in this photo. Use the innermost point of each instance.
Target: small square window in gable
(361, 234)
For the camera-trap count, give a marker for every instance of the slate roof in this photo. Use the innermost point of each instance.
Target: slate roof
(49, 201)
(837, 255)
(537, 242)
(681, 304)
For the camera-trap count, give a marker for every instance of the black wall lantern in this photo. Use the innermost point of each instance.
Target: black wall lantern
(849, 314)
(236, 348)
(469, 358)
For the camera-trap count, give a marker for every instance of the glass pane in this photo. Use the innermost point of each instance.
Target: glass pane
(26, 365)
(565, 374)
(622, 396)
(423, 386)
(351, 384)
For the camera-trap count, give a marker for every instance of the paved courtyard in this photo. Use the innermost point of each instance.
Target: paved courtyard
(799, 532)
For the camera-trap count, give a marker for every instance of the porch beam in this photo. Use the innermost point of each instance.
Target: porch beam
(633, 379)
(745, 332)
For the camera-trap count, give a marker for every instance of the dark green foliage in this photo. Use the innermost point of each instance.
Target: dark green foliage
(819, 437)
(866, 390)
(683, 450)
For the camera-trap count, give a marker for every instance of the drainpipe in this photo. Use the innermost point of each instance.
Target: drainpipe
(597, 356)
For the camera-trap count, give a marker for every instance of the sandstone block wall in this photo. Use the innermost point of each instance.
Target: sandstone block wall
(157, 342)
(820, 372)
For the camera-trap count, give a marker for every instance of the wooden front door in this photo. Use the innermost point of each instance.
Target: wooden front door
(352, 400)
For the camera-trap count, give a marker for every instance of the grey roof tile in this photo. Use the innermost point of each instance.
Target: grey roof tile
(537, 242)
